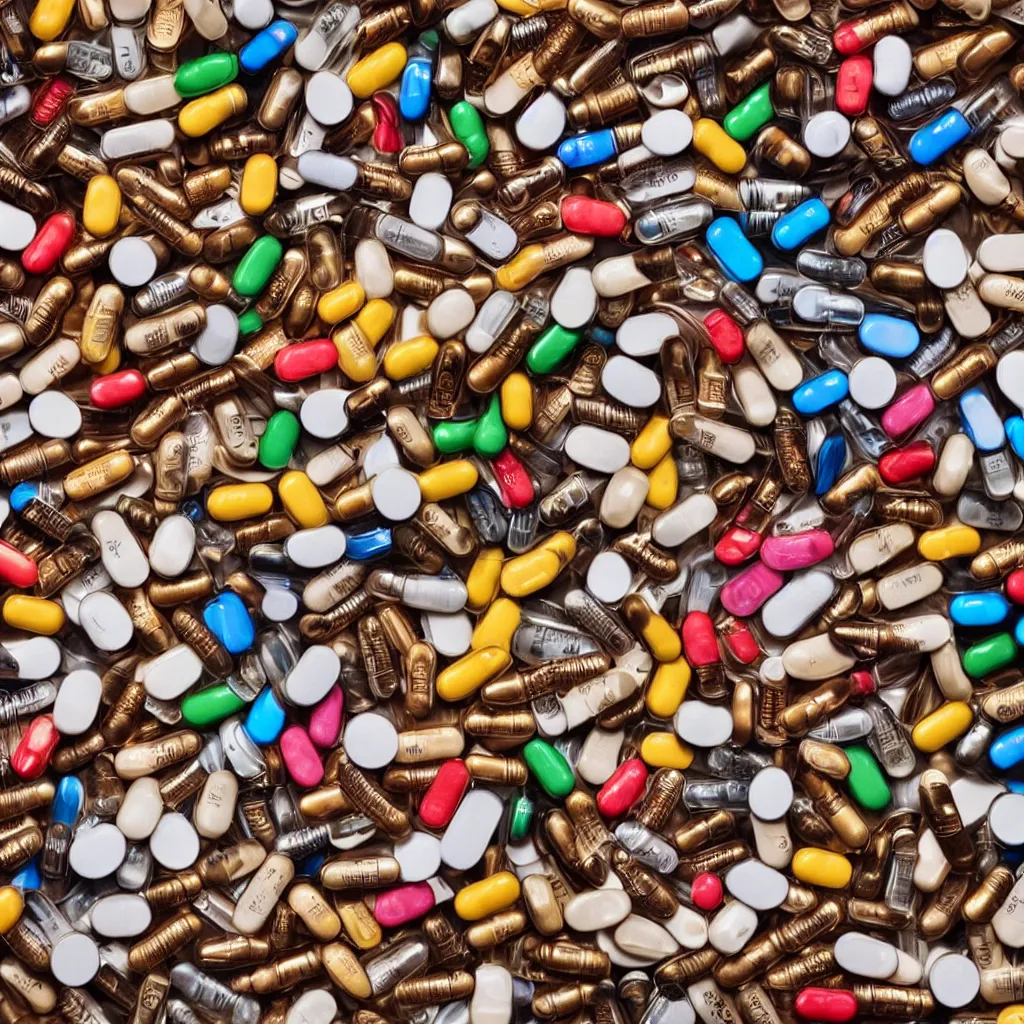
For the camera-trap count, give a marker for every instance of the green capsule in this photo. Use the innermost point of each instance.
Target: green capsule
(521, 817)
(204, 74)
(989, 654)
(550, 768)
(490, 436)
(454, 435)
(551, 348)
(750, 114)
(254, 269)
(279, 439)
(209, 706)
(469, 130)
(866, 781)
(249, 323)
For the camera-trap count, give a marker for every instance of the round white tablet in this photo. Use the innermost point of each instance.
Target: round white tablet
(74, 959)
(17, 227)
(667, 133)
(216, 345)
(132, 262)
(872, 382)
(252, 14)
(120, 916)
(954, 980)
(370, 740)
(54, 414)
(431, 200)
(174, 843)
(323, 413)
(328, 98)
(703, 725)
(97, 851)
(826, 134)
(771, 794)
(609, 577)
(1006, 819)
(78, 700)
(279, 604)
(945, 259)
(396, 493)
(419, 856)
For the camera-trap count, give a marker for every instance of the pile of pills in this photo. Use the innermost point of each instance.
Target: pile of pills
(513, 510)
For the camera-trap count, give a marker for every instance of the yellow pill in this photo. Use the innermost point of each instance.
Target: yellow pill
(232, 502)
(356, 341)
(359, 924)
(538, 567)
(259, 184)
(11, 906)
(942, 726)
(1012, 1014)
(50, 18)
(668, 688)
(665, 750)
(497, 626)
(652, 444)
(488, 896)
(376, 70)
(301, 500)
(822, 867)
(471, 671)
(102, 206)
(521, 269)
(448, 480)
(517, 401)
(407, 358)
(663, 484)
(205, 113)
(662, 640)
(725, 153)
(484, 579)
(952, 541)
(340, 303)
(110, 363)
(33, 614)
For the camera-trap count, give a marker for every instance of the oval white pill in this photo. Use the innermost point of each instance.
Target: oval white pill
(872, 382)
(1006, 819)
(667, 133)
(37, 658)
(788, 611)
(215, 805)
(771, 794)
(644, 334)
(594, 909)
(450, 313)
(468, 834)
(97, 850)
(1002, 254)
(120, 551)
(893, 63)
(172, 673)
(418, 856)
(172, 546)
(396, 493)
(317, 547)
(944, 258)
(328, 98)
(644, 938)
(827, 134)
(17, 227)
(574, 301)
(216, 345)
(328, 170)
(630, 382)
(78, 700)
(541, 124)
(954, 980)
(866, 956)
(431, 200)
(702, 725)
(323, 413)
(279, 604)
(370, 740)
(315, 672)
(609, 577)
(732, 927)
(757, 885)
(174, 842)
(597, 449)
(105, 621)
(54, 414)
(132, 261)
(141, 809)
(315, 1007)
(676, 525)
(120, 916)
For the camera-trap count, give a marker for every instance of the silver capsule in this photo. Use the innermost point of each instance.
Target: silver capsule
(815, 304)
(427, 593)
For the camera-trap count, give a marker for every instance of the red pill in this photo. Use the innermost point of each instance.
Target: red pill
(853, 36)
(32, 755)
(16, 567)
(300, 756)
(706, 891)
(305, 359)
(700, 643)
(49, 100)
(325, 718)
(113, 390)
(588, 216)
(741, 642)
(444, 794)
(1015, 586)
(736, 545)
(830, 1005)
(726, 335)
(623, 789)
(908, 463)
(515, 483)
(863, 683)
(853, 85)
(387, 136)
(51, 242)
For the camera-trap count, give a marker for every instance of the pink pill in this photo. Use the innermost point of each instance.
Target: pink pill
(325, 720)
(745, 593)
(300, 757)
(404, 904)
(797, 551)
(910, 410)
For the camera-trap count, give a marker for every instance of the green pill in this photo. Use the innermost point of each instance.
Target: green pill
(249, 323)
(254, 270)
(520, 818)
(866, 781)
(750, 114)
(490, 436)
(551, 349)
(469, 130)
(211, 705)
(454, 435)
(204, 74)
(550, 768)
(279, 439)
(989, 654)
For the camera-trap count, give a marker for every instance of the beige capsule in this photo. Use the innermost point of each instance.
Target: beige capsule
(542, 904)
(139, 759)
(363, 872)
(261, 893)
(345, 970)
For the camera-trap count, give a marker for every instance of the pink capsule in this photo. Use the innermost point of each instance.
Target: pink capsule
(623, 789)
(515, 483)
(797, 551)
(300, 757)
(740, 641)
(404, 904)
(325, 719)
(833, 1005)
(745, 593)
(909, 411)
(32, 755)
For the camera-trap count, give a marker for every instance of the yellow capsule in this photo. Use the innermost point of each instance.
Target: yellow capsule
(259, 184)
(668, 688)
(521, 269)
(11, 906)
(471, 671)
(50, 18)
(517, 401)
(1012, 1014)
(360, 925)
(953, 541)
(663, 484)
(205, 113)
(488, 896)
(301, 500)
(710, 140)
(822, 867)
(524, 8)
(497, 626)
(484, 579)
(538, 567)
(407, 358)
(33, 614)
(109, 364)
(376, 70)
(340, 303)
(652, 444)
(942, 726)
(664, 641)
(356, 342)
(232, 502)
(665, 750)
(102, 207)
(448, 480)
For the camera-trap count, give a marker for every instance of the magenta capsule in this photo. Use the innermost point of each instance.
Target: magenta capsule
(748, 590)
(797, 551)
(444, 794)
(43, 253)
(300, 757)
(623, 789)
(325, 719)
(404, 904)
(16, 568)
(32, 755)
(909, 411)
(830, 1005)
(515, 483)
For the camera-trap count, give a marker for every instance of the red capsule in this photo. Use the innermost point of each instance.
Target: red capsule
(444, 794)
(114, 390)
(741, 642)
(16, 568)
(700, 643)
(736, 545)
(588, 216)
(325, 718)
(305, 359)
(623, 789)
(907, 463)
(829, 1005)
(32, 755)
(515, 483)
(706, 891)
(853, 85)
(387, 136)
(49, 100)
(300, 757)
(51, 242)
(726, 335)
(1015, 586)
(848, 36)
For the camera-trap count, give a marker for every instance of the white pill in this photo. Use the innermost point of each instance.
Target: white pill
(893, 62)
(465, 22)
(97, 850)
(370, 740)
(150, 95)
(676, 525)
(121, 553)
(597, 449)
(172, 673)
(17, 228)
(172, 546)
(431, 200)
(315, 1007)
(216, 345)
(1010, 377)
(120, 916)
(702, 725)
(451, 633)
(418, 856)
(396, 493)
(541, 124)
(944, 258)
(38, 657)
(78, 700)
(1003, 254)
(491, 319)
(279, 604)
(311, 677)
(215, 805)
(599, 756)
(609, 577)
(141, 809)
(973, 798)
(644, 938)
(450, 313)
(574, 301)
(492, 996)
(594, 909)
(47, 367)
(11, 393)
(688, 928)
(630, 382)
(872, 382)
(1006, 819)
(468, 834)
(323, 413)
(174, 842)
(954, 980)
(757, 885)
(800, 600)
(771, 794)
(372, 266)
(381, 455)
(74, 959)
(53, 414)
(317, 547)
(619, 957)
(328, 170)
(868, 957)
(132, 261)
(827, 134)
(328, 98)
(14, 102)
(15, 426)
(816, 658)
(644, 334)
(253, 14)
(106, 622)
(667, 133)
(735, 32)
(732, 927)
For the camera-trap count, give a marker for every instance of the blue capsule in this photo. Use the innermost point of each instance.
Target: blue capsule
(265, 719)
(588, 149)
(733, 250)
(68, 800)
(1007, 749)
(362, 547)
(414, 97)
(29, 877)
(794, 228)
(982, 424)
(228, 619)
(937, 137)
(830, 462)
(1015, 434)
(821, 393)
(986, 608)
(603, 336)
(888, 336)
(267, 45)
(310, 867)
(22, 494)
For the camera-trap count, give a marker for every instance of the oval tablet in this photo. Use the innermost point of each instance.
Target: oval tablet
(574, 301)
(468, 834)
(54, 414)
(172, 546)
(396, 493)
(323, 413)
(644, 334)
(132, 261)
(594, 909)
(641, 937)
(609, 577)
(106, 623)
(316, 548)
(172, 673)
(945, 259)
(757, 885)
(78, 700)
(418, 856)
(328, 98)
(866, 956)
(667, 132)
(97, 850)
(141, 809)
(702, 725)
(597, 449)
(431, 200)
(370, 740)
(174, 842)
(541, 124)
(312, 676)
(732, 928)
(630, 382)
(120, 916)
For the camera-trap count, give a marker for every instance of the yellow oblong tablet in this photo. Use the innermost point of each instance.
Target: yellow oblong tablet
(448, 480)
(471, 671)
(488, 896)
(663, 484)
(953, 541)
(942, 726)
(484, 578)
(101, 209)
(497, 626)
(710, 140)
(301, 500)
(822, 867)
(232, 502)
(12, 903)
(340, 303)
(517, 401)
(407, 358)
(652, 444)
(33, 614)
(376, 70)
(668, 688)
(259, 184)
(665, 750)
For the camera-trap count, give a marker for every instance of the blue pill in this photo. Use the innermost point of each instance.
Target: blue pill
(1015, 433)
(601, 335)
(265, 719)
(414, 97)
(588, 148)
(830, 462)
(22, 494)
(982, 424)
(229, 620)
(794, 228)
(68, 800)
(927, 144)
(29, 877)
(194, 510)
(310, 867)
(888, 336)
(1007, 749)
(987, 608)
(364, 546)
(821, 393)
(733, 250)
(267, 45)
